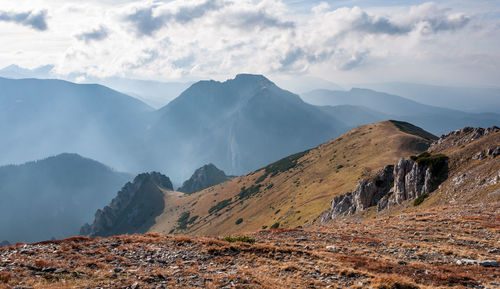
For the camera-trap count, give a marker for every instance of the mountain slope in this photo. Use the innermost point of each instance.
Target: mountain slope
(240, 124)
(437, 120)
(53, 197)
(294, 190)
(60, 116)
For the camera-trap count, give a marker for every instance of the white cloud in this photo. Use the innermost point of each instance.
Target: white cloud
(219, 38)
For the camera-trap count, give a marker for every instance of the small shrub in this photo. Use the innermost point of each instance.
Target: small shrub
(420, 199)
(339, 167)
(277, 211)
(275, 225)
(239, 221)
(239, 239)
(247, 193)
(264, 227)
(183, 221)
(261, 178)
(192, 220)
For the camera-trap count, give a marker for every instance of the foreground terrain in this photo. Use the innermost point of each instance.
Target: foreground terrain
(419, 249)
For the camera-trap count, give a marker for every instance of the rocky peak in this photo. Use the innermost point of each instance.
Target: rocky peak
(463, 136)
(407, 180)
(134, 208)
(204, 177)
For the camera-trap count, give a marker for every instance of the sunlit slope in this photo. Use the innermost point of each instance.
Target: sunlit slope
(294, 190)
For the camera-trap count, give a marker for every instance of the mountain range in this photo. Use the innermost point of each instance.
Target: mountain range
(240, 124)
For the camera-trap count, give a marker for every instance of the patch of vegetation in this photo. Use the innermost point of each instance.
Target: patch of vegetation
(270, 186)
(420, 199)
(192, 220)
(219, 206)
(182, 222)
(414, 130)
(248, 192)
(264, 227)
(277, 211)
(239, 221)
(239, 239)
(261, 178)
(275, 225)
(283, 165)
(436, 163)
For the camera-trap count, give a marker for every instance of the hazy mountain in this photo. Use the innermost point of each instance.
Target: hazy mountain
(354, 115)
(470, 99)
(154, 93)
(437, 120)
(53, 197)
(240, 124)
(39, 118)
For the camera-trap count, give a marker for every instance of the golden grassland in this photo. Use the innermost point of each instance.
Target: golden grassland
(296, 196)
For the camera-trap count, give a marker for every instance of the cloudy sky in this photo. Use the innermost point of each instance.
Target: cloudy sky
(444, 42)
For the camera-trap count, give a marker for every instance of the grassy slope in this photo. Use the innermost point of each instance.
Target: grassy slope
(298, 195)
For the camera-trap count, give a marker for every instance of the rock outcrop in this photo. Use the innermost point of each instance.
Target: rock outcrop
(392, 185)
(204, 177)
(133, 210)
(367, 194)
(464, 136)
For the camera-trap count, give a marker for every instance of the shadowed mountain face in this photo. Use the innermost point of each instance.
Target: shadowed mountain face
(241, 124)
(134, 209)
(204, 177)
(434, 119)
(53, 197)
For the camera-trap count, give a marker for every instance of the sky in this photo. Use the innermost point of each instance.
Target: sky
(357, 41)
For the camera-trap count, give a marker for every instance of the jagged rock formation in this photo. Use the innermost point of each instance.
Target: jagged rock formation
(367, 194)
(464, 136)
(133, 210)
(204, 177)
(392, 185)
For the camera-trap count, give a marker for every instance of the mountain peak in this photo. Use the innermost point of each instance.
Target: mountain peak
(204, 177)
(248, 76)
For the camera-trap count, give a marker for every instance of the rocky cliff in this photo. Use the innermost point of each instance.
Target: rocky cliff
(133, 210)
(392, 185)
(462, 166)
(204, 177)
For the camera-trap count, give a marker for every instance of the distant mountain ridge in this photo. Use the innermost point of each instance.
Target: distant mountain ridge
(435, 119)
(53, 197)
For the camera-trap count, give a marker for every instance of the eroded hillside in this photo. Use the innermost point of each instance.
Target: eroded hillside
(295, 190)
